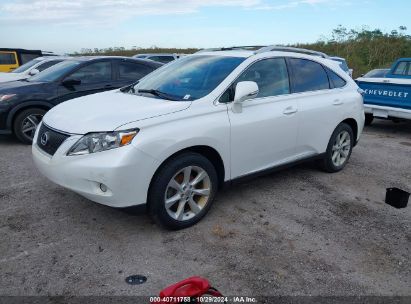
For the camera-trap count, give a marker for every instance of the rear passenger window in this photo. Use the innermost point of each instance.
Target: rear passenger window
(335, 80)
(7, 58)
(132, 71)
(162, 59)
(308, 76)
(400, 68)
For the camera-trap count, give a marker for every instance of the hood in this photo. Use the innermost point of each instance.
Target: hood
(107, 111)
(11, 76)
(21, 87)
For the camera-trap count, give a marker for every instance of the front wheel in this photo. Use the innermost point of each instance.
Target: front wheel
(339, 149)
(25, 124)
(182, 191)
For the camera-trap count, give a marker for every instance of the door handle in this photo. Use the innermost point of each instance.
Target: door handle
(337, 102)
(290, 110)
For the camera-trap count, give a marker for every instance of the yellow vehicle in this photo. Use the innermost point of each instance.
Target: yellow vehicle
(11, 59)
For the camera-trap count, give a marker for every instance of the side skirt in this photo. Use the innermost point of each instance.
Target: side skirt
(253, 175)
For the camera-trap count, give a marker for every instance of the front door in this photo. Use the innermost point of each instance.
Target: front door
(264, 133)
(93, 78)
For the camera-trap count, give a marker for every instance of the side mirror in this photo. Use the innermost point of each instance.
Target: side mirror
(34, 72)
(70, 82)
(243, 91)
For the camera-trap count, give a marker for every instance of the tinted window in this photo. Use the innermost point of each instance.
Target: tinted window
(7, 58)
(400, 68)
(335, 80)
(132, 71)
(191, 77)
(409, 69)
(47, 64)
(163, 59)
(93, 73)
(271, 76)
(308, 76)
(27, 57)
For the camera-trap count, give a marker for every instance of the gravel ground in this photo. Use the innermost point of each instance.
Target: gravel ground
(295, 232)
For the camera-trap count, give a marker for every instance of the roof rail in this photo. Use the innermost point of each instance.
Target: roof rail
(290, 49)
(232, 48)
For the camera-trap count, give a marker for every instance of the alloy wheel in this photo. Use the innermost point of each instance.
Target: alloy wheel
(29, 125)
(341, 148)
(187, 193)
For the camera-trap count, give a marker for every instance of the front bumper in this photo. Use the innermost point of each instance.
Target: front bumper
(126, 172)
(4, 129)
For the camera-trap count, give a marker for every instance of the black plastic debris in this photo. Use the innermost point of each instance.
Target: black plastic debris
(136, 279)
(397, 198)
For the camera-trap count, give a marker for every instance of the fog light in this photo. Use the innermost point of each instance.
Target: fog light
(103, 187)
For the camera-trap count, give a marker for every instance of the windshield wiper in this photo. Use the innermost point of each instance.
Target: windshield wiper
(129, 88)
(159, 94)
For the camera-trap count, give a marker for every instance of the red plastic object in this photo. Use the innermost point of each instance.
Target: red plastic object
(192, 287)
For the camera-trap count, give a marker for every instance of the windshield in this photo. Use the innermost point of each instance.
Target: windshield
(55, 72)
(188, 78)
(26, 66)
(377, 73)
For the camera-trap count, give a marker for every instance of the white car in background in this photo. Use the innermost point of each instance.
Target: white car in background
(343, 65)
(174, 138)
(31, 68)
(159, 57)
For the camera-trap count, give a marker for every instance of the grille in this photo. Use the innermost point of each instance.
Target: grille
(49, 140)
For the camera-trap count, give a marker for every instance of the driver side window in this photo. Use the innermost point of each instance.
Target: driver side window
(271, 76)
(93, 73)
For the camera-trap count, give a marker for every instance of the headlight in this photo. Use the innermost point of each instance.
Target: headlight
(6, 97)
(98, 142)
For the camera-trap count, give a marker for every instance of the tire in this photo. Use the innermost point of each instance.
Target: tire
(25, 124)
(368, 119)
(173, 175)
(337, 149)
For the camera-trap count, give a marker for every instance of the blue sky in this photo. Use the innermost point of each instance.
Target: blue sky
(69, 25)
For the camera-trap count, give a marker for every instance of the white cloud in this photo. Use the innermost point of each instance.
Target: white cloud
(295, 3)
(106, 12)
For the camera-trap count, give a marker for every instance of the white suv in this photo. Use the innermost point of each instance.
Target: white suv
(175, 137)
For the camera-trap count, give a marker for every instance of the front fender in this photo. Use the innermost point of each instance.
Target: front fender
(25, 105)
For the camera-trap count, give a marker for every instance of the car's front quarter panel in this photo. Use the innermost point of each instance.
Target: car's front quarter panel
(202, 124)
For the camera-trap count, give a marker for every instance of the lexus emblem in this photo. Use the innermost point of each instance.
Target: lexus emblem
(44, 138)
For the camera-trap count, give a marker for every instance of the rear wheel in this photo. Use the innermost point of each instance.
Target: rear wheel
(339, 149)
(368, 119)
(26, 122)
(182, 191)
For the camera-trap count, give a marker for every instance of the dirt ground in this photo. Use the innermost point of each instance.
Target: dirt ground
(295, 232)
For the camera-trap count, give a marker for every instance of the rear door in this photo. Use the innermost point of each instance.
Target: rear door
(94, 77)
(320, 103)
(264, 134)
